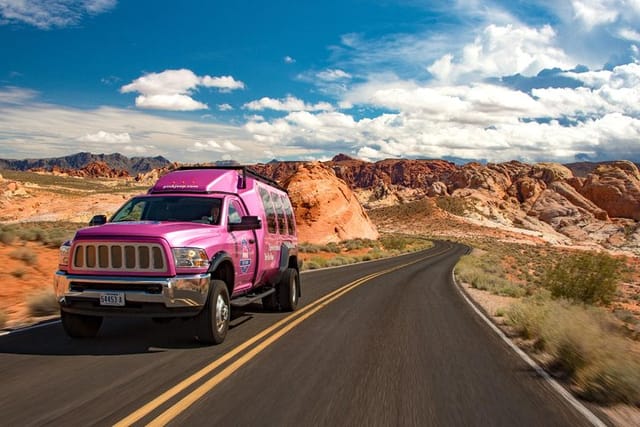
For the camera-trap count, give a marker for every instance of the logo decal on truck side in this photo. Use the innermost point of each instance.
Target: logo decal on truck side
(245, 260)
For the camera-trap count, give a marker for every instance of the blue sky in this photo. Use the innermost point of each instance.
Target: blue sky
(253, 81)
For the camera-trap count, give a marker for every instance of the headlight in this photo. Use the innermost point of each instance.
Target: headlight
(190, 258)
(63, 254)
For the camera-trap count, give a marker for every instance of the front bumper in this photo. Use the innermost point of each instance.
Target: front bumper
(148, 296)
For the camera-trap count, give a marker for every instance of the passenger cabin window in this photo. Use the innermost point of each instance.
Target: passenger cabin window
(288, 209)
(282, 222)
(269, 210)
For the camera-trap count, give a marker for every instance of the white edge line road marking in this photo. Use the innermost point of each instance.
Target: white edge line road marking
(577, 405)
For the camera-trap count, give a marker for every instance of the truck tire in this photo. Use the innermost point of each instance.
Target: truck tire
(287, 291)
(213, 320)
(80, 326)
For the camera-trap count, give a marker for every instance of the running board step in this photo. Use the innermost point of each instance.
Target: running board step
(251, 298)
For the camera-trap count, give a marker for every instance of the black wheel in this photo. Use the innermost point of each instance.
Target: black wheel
(213, 320)
(288, 290)
(79, 325)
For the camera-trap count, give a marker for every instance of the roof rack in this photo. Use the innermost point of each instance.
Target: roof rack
(246, 171)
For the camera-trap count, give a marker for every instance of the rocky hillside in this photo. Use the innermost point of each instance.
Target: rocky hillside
(599, 204)
(116, 161)
(92, 170)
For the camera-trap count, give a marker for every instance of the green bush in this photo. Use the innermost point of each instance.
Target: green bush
(24, 254)
(42, 304)
(589, 277)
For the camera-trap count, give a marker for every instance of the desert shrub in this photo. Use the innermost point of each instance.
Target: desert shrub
(308, 248)
(339, 260)
(583, 344)
(42, 304)
(310, 265)
(331, 247)
(528, 316)
(19, 273)
(321, 262)
(48, 233)
(483, 271)
(589, 277)
(615, 378)
(453, 205)
(356, 244)
(393, 242)
(4, 317)
(7, 237)
(24, 254)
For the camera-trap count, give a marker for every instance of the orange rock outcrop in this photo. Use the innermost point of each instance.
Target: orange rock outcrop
(326, 208)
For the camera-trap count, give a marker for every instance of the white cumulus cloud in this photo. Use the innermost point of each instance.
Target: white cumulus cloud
(107, 137)
(290, 103)
(501, 51)
(211, 145)
(595, 12)
(172, 89)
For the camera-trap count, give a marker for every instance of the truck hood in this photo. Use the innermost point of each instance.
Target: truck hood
(176, 234)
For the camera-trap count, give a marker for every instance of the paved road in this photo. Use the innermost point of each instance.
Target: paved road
(377, 344)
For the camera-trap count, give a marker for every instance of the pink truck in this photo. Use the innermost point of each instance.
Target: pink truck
(202, 239)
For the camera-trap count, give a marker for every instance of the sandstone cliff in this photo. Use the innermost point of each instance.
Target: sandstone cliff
(326, 208)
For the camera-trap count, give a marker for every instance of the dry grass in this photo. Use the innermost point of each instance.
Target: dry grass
(42, 304)
(583, 344)
(51, 234)
(359, 250)
(25, 255)
(4, 317)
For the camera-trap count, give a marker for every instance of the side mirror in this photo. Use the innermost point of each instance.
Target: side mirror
(247, 223)
(98, 220)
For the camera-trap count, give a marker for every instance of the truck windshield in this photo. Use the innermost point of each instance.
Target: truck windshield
(170, 208)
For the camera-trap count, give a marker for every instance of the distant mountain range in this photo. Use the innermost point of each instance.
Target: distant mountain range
(133, 165)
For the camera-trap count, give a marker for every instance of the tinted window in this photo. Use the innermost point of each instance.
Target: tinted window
(170, 208)
(282, 222)
(269, 210)
(288, 209)
(234, 214)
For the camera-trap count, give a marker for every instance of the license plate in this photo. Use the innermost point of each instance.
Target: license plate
(112, 298)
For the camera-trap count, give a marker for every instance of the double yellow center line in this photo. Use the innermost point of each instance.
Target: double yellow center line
(282, 327)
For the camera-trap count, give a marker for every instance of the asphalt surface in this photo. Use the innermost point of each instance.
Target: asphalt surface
(400, 349)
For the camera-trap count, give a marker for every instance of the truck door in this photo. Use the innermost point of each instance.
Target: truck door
(244, 257)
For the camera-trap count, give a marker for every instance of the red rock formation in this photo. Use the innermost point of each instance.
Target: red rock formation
(615, 187)
(326, 209)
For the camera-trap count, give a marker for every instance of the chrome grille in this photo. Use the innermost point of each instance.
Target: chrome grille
(119, 256)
